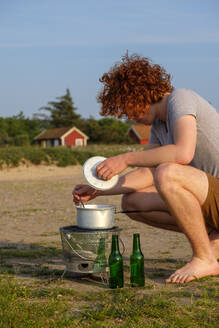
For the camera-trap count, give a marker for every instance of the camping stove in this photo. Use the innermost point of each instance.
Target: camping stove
(86, 251)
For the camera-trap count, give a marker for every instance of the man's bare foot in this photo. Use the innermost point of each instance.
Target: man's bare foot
(214, 242)
(194, 270)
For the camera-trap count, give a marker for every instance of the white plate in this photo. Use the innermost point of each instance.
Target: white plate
(89, 170)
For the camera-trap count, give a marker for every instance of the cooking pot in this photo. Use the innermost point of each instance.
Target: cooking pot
(95, 216)
(98, 216)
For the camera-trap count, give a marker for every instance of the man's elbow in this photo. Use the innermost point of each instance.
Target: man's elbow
(184, 158)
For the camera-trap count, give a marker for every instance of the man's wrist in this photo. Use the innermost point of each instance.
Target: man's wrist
(128, 159)
(99, 193)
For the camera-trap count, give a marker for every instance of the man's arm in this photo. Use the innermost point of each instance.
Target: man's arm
(181, 152)
(131, 181)
(134, 180)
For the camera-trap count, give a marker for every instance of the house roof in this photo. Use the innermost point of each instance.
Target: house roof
(57, 133)
(141, 131)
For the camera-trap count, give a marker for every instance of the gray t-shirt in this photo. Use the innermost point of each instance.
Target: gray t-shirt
(183, 102)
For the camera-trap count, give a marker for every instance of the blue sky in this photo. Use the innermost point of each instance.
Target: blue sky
(47, 46)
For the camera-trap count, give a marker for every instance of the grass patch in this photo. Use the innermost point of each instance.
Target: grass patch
(40, 271)
(49, 234)
(7, 270)
(37, 305)
(32, 252)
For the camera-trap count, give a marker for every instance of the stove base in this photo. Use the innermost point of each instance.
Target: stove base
(86, 251)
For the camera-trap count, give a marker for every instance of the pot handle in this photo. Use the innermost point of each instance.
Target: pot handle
(129, 211)
(84, 258)
(75, 252)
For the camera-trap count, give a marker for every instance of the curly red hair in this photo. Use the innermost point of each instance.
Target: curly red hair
(131, 85)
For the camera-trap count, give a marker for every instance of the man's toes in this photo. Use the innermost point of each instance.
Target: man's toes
(173, 278)
(190, 278)
(183, 279)
(168, 280)
(176, 278)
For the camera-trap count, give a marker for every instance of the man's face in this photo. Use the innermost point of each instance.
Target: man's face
(144, 118)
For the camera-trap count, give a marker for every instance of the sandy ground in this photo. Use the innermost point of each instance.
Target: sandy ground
(36, 201)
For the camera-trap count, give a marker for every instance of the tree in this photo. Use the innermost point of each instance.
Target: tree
(107, 130)
(114, 130)
(18, 130)
(62, 112)
(93, 130)
(4, 138)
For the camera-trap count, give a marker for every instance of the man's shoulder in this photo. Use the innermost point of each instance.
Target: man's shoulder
(181, 102)
(182, 97)
(182, 92)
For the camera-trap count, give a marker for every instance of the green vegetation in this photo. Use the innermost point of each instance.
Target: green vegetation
(62, 112)
(47, 300)
(19, 130)
(34, 252)
(53, 304)
(60, 156)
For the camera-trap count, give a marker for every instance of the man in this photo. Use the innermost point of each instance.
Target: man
(176, 182)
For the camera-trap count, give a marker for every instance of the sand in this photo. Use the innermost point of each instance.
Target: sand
(37, 200)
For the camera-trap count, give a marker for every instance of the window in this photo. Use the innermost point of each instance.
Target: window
(48, 143)
(56, 142)
(78, 142)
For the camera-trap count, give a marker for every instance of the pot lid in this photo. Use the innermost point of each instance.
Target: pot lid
(89, 171)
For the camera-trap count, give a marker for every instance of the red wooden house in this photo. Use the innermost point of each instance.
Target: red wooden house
(66, 136)
(140, 133)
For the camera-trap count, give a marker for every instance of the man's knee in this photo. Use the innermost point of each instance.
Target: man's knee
(165, 174)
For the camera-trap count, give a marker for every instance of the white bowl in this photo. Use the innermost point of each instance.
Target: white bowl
(90, 174)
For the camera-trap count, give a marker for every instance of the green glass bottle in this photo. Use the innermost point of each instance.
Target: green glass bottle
(100, 261)
(116, 279)
(137, 278)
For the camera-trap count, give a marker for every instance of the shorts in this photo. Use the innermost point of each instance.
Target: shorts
(210, 208)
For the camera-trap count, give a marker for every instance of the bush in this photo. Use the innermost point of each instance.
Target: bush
(35, 155)
(60, 156)
(81, 157)
(22, 140)
(10, 156)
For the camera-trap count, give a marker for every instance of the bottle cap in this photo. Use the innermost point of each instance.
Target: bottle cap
(90, 174)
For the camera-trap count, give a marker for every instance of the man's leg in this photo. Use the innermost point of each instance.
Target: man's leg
(154, 209)
(156, 213)
(184, 190)
(214, 242)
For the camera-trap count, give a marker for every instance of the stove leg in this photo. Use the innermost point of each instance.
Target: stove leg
(104, 278)
(64, 272)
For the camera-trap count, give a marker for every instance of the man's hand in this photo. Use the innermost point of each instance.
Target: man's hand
(111, 166)
(84, 193)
